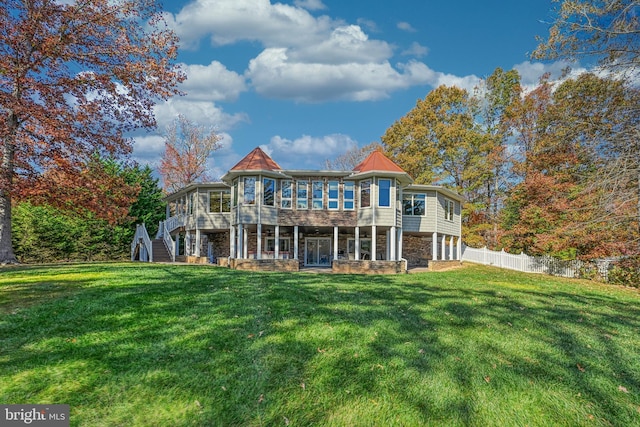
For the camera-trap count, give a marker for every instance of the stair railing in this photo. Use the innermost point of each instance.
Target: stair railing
(169, 243)
(142, 238)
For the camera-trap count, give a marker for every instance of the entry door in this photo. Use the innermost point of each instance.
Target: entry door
(317, 251)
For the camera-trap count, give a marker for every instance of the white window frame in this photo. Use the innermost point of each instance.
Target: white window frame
(219, 195)
(351, 199)
(380, 193)
(244, 190)
(361, 191)
(449, 209)
(333, 200)
(264, 192)
(302, 204)
(191, 203)
(317, 203)
(286, 199)
(413, 203)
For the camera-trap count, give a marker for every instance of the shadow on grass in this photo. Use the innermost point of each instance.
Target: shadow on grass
(183, 345)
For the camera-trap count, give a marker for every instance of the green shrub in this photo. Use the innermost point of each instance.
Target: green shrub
(626, 272)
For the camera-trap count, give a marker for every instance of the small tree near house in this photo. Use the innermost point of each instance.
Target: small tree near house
(187, 148)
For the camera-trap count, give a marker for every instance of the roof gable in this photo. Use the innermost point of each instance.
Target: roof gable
(376, 161)
(256, 160)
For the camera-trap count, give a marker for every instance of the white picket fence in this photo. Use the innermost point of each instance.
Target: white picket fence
(534, 264)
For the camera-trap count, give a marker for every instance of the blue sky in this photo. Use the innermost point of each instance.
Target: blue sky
(308, 79)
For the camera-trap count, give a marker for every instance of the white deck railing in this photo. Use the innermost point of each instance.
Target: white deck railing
(169, 243)
(175, 222)
(146, 248)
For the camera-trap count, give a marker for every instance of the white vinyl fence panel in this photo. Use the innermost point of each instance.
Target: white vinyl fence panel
(532, 264)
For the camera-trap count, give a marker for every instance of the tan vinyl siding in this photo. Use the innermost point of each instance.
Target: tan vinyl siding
(446, 226)
(269, 215)
(246, 215)
(426, 223)
(217, 221)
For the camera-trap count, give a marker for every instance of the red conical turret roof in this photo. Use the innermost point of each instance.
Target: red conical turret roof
(376, 161)
(256, 160)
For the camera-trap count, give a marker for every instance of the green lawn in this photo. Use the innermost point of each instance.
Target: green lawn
(165, 345)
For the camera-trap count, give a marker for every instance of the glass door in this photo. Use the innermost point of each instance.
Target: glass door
(317, 251)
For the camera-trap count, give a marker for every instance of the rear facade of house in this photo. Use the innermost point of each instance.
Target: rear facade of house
(260, 216)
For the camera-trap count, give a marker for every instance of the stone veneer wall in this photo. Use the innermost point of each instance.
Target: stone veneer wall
(220, 244)
(264, 264)
(368, 267)
(416, 250)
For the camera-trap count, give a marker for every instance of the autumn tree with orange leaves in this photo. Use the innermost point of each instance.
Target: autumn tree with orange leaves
(188, 146)
(75, 78)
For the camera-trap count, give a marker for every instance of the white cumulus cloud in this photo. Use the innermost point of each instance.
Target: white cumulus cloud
(307, 152)
(228, 21)
(310, 4)
(213, 82)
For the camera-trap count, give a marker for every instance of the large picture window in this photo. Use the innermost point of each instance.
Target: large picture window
(249, 191)
(413, 204)
(286, 198)
(317, 194)
(302, 196)
(384, 192)
(268, 192)
(365, 194)
(219, 201)
(348, 195)
(333, 195)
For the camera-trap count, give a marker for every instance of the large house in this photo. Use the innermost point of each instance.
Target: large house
(370, 219)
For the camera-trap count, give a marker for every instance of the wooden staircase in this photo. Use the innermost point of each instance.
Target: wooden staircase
(160, 253)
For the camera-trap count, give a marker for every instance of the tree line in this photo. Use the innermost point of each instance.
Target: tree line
(553, 170)
(44, 231)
